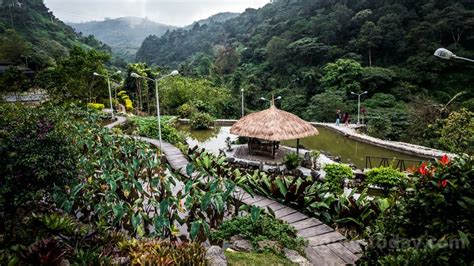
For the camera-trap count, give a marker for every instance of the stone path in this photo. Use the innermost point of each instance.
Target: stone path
(325, 245)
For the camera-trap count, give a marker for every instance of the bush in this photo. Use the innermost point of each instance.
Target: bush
(263, 228)
(186, 110)
(385, 177)
(201, 121)
(96, 106)
(335, 175)
(292, 161)
(431, 221)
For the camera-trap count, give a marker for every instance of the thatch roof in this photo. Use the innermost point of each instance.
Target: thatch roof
(273, 124)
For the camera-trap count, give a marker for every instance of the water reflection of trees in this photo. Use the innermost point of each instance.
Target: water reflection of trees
(200, 135)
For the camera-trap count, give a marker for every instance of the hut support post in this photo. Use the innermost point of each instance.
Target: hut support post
(298, 146)
(273, 149)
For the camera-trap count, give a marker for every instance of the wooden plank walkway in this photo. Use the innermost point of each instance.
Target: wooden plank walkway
(325, 245)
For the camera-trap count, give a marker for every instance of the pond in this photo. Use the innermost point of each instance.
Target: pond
(328, 141)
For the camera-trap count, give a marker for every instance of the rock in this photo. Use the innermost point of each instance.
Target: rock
(337, 159)
(306, 162)
(215, 256)
(235, 238)
(242, 245)
(295, 257)
(270, 245)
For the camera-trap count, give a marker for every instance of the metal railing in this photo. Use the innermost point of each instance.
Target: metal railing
(397, 163)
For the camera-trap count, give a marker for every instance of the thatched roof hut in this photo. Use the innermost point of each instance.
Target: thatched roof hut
(273, 125)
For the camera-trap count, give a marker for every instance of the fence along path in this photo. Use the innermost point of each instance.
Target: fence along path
(325, 245)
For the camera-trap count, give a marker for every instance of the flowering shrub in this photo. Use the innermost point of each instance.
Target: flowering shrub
(431, 221)
(201, 121)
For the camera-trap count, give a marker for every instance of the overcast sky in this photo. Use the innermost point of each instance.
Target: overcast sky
(172, 12)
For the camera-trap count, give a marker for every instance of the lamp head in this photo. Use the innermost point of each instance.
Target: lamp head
(174, 73)
(96, 74)
(118, 72)
(444, 53)
(353, 93)
(278, 98)
(365, 92)
(263, 99)
(135, 75)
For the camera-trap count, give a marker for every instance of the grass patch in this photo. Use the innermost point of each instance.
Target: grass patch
(244, 259)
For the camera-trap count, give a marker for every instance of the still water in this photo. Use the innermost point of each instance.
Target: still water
(328, 141)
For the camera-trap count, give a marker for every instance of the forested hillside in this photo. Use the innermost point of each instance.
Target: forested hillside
(29, 31)
(314, 53)
(124, 35)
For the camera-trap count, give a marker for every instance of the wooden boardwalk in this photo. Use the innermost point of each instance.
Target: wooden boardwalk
(325, 245)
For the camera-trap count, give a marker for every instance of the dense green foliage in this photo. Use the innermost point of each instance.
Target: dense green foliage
(148, 127)
(314, 53)
(431, 221)
(201, 121)
(264, 228)
(123, 35)
(40, 35)
(336, 174)
(385, 177)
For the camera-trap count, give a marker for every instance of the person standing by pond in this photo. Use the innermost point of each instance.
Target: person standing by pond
(338, 117)
(346, 119)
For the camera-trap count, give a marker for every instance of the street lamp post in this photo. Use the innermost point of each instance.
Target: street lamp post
(243, 112)
(447, 55)
(358, 104)
(272, 101)
(173, 73)
(110, 91)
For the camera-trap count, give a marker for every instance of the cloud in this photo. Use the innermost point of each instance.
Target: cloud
(173, 12)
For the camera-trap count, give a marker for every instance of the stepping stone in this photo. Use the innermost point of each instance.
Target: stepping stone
(314, 231)
(298, 216)
(327, 238)
(311, 222)
(284, 212)
(345, 254)
(328, 255)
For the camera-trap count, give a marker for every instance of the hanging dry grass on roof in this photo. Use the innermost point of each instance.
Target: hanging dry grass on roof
(273, 124)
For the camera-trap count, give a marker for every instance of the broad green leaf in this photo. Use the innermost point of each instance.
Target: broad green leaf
(189, 169)
(281, 185)
(255, 213)
(195, 226)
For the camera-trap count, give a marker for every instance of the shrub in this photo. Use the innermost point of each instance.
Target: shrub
(431, 221)
(385, 177)
(335, 175)
(126, 100)
(96, 106)
(186, 110)
(292, 161)
(264, 228)
(201, 121)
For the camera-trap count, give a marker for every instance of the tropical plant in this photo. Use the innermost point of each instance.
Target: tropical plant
(152, 252)
(148, 127)
(291, 161)
(185, 110)
(336, 174)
